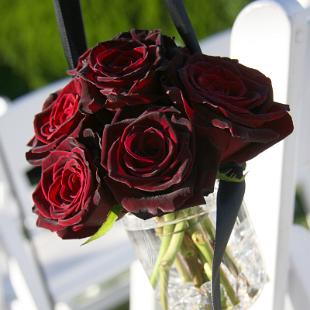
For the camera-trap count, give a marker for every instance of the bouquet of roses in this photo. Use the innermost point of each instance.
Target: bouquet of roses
(145, 126)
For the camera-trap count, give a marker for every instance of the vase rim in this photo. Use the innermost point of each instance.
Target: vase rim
(132, 223)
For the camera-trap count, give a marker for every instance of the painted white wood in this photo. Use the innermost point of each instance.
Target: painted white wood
(16, 129)
(304, 131)
(16, 249)
(217, 44)
(22, 268)
(3, 261)
(299, 272)
(142, 296)
(3, 271)
(304, 3)
(3, 106)
(288, 303)
(270, 36)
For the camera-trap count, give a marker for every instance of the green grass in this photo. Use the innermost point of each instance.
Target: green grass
(31, 54)
(300, 214)
(122, 307)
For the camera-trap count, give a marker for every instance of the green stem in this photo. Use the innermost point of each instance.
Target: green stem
(190, 255)
(167, 231)
(175, 244)
(203, 246)
(168, 259)
(163, 287)
(228, 257)
(180, 248)
(206, 250)
(208, 270)
(230, 262)
(182, 268)
(229, 289)
(208, 224)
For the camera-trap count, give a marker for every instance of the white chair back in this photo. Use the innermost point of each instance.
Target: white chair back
(304, 130)
(274, 37)
(16, 129)
(271, 36)
(70, 270)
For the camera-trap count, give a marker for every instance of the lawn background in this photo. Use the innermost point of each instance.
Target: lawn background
(31, 54)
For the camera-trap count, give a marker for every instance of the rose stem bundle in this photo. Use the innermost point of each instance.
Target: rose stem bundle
(168, 259)
(187, 244)
(206, 250)
(167, 231)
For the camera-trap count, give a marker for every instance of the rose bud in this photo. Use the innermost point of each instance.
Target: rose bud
(234, 100)
(125, 68)
(156, 163)
(72, 198)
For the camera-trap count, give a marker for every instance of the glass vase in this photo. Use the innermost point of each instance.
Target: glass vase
(176, 251)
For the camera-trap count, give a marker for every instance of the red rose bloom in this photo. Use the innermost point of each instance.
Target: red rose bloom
(235, 100)
(155, 163)
(71, 198)
(61, 117)
(124, 69)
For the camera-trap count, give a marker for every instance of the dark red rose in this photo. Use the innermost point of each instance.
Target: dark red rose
(156, 163)
(125, 68)
(61, 116)
(71, 198)
(235, 100)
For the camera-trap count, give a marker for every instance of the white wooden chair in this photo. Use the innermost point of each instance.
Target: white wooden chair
(303, 171)
(75, 277)
(273, 37)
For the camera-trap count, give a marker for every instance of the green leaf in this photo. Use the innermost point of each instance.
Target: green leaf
(230, 178)
(107, 225)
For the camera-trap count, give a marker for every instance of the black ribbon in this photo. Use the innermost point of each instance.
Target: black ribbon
(230, 194)
(183, 24)
(70, 23)
(229, 200)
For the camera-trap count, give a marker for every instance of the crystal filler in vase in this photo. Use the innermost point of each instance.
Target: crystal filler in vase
(176, 251)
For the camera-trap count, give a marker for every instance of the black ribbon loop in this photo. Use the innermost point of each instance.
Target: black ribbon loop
(70, 23)
(230, 194)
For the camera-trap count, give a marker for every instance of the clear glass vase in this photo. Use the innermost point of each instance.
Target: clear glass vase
(176, 251)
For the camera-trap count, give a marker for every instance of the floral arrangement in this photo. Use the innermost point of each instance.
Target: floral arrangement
(145, 126)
